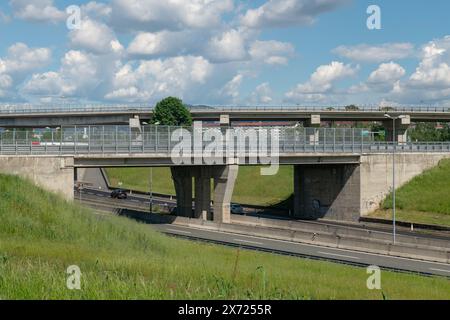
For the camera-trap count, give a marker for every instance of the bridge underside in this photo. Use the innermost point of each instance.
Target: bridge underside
(339, 188)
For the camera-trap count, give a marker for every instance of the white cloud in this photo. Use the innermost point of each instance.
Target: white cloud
(271, 52)
(321, 83)
(381, 53)
(230, 91)
(81, 75)
(37, 11)
(387, 73)
(262, 94)
(97, 10)
(164, 43)
(95, 37)
(156, 15)
(21, 59)
(434, 69)
(285, 13)
(155, 79)
(228, 46)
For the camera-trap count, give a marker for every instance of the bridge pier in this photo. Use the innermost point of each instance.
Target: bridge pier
(224, 177)
(202, 193)
(401, 129)
(327, 191)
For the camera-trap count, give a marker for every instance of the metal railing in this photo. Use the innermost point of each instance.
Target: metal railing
(114, 140)
(23, 109)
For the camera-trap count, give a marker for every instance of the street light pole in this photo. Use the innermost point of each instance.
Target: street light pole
(393, 183)
(151, 190)
(394, 149)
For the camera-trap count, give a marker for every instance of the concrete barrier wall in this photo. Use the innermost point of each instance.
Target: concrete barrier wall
(376, 174)
(341, 231)
(55, 174)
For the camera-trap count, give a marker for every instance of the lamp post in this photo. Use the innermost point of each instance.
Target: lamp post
(394, 143)
(151, 190)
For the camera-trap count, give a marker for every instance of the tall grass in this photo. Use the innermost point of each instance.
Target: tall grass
(41, 235)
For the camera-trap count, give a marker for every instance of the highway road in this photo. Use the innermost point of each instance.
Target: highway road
(343, 256)
(308, 251)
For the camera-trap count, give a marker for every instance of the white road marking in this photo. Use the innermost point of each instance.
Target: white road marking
(441, 270)
(179, 231)
(338, 255)
(246, 241)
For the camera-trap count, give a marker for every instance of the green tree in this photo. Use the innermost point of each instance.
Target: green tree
(171, 112)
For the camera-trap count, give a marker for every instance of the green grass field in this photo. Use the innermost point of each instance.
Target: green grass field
(425, 199)
(250, 188)
(41, 235)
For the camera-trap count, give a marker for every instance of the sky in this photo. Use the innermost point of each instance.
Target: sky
(226, 52)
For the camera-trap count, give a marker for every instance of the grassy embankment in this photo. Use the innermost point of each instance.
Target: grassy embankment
(425, 199)
(41, 235)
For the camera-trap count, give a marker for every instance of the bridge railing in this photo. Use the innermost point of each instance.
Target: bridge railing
(10, 109)
(162, 140)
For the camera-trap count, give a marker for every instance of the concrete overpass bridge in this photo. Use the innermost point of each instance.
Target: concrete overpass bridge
(339, 174)
(12, 115)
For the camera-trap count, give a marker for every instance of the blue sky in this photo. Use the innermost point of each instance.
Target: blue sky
(226, 52)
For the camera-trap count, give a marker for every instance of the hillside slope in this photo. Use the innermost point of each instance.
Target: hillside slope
(41, 235)
(425, 199)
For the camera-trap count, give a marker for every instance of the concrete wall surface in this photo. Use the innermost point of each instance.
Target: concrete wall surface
(55, 174)
(376, 174)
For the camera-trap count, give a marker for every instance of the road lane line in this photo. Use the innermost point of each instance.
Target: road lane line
(249, 242)
(441, 270)
(180, 231)
(338, 255)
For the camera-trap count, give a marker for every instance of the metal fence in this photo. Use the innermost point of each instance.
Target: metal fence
(162, 140)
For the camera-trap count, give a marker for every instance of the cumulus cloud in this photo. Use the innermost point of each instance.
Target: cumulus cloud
(154, 79)
(230, 91)
(286, 13)
(321, 82)
(21, 59)
(157, 15)
(262, 94)
(381, 53)
(430, 82)
(95, 37)
(37, 11)
(81, 74)
(96, 10)
(271, 52)
(228, 46)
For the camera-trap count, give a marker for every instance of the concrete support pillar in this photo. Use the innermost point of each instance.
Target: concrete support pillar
(225, 121)
(327, 191)
(182, 178)
(224, 180)
(136, 128)
(202, 193)
(313, 122)
(401, 129)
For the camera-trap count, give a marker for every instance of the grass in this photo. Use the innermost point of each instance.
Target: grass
(425, 199)
(41, 235)
(251, 187)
